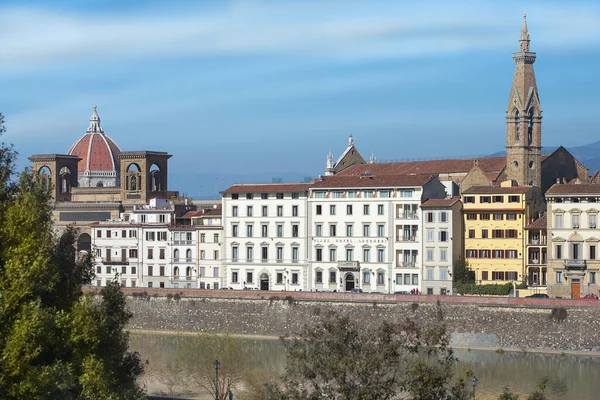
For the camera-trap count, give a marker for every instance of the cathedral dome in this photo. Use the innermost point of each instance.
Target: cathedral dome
(99, 165)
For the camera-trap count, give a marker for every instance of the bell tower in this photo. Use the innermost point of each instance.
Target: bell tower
(524, 119)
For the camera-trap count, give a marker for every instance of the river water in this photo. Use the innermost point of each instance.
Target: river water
(569, 376)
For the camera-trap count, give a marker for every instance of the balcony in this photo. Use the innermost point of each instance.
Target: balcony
(112, 261)
(409, 238)
(348, 265)
(575, 264)
(408, 215)
(534, 241)
(407, 264)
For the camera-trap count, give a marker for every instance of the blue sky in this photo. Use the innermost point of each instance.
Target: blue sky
(273, 86)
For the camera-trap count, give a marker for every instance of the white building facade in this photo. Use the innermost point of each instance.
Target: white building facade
(265, 236)
(147, 248)
(210, 248)
(442, 244)
(115, 247)
(573, 239)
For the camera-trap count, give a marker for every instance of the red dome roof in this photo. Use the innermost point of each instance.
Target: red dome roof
(97, 151)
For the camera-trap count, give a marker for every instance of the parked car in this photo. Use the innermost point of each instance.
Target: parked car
(590, 296)
(538, 296)
(402, 292)
(356, 290)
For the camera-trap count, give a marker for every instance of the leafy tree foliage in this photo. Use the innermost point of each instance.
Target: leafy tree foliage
(55, 343)
(340, 359)
(462, 272)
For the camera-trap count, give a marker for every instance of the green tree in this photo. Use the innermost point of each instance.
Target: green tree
(462, 272)
(55, 343)
(339, 359)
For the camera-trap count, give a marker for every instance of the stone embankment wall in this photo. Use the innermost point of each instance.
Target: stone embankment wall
(543, 324)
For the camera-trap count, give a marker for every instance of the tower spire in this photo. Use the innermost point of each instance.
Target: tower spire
(524, 38)
(95, 123)
(524, 118)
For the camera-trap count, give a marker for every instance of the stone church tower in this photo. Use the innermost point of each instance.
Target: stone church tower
(524, 119)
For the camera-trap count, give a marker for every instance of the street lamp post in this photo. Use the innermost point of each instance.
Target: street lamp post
(474, 383)
(216, 364)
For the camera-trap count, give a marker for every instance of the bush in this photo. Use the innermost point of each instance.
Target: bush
(489, 289)
(169, 296)
(558, 314)
(177, 297)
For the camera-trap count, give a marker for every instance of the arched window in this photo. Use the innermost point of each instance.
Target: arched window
(517, 126)
(188, 271)
(176, 254)
(188, 255)
(530, 128)
(176, 272)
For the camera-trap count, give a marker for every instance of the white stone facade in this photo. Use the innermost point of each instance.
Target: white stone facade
(333, 234)
(573, 239)
(210, 250)
(442, 244)
(265, 237)
(145, 248)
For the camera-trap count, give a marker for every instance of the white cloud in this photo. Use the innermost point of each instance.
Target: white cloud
(340, 29)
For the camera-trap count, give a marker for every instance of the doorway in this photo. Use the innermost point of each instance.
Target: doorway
(264, 282)
(349, 281)
(575, 290)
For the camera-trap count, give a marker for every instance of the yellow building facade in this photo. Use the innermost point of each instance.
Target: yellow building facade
(495, 218)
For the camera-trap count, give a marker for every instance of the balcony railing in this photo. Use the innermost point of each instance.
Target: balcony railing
(534, 241)
(348, 264)
(407, 264)
(183, 242)
(410, 238)
(575, 264)
(408, 215)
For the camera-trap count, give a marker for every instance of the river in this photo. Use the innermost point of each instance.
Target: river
(569, 376)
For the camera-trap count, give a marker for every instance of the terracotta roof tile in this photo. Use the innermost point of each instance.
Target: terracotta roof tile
(497, 189)
(540, 223)
(188, 214)
(98, 152)
(213, 212)
(584, 188)
(268, 188)
(487, 164)
(492, 164)
(371, 181)
(431, 203)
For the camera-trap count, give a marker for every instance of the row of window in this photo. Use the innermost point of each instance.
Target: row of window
(235, 232)
(366, 230)
(496, 234)
(442, 235)
(499, 276)
(429, 254)
(575, 252)
(349, 209)
(491, 253)
(264, 253)
(266, 196)
(108, 233)
(442, 216)
(494, 216)
(349, 255)
(442, 274)
(492, 199)
(278, 278)
(591, 277)
(575, 219)
(265, 211)
(367, 194)
(132, 253)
